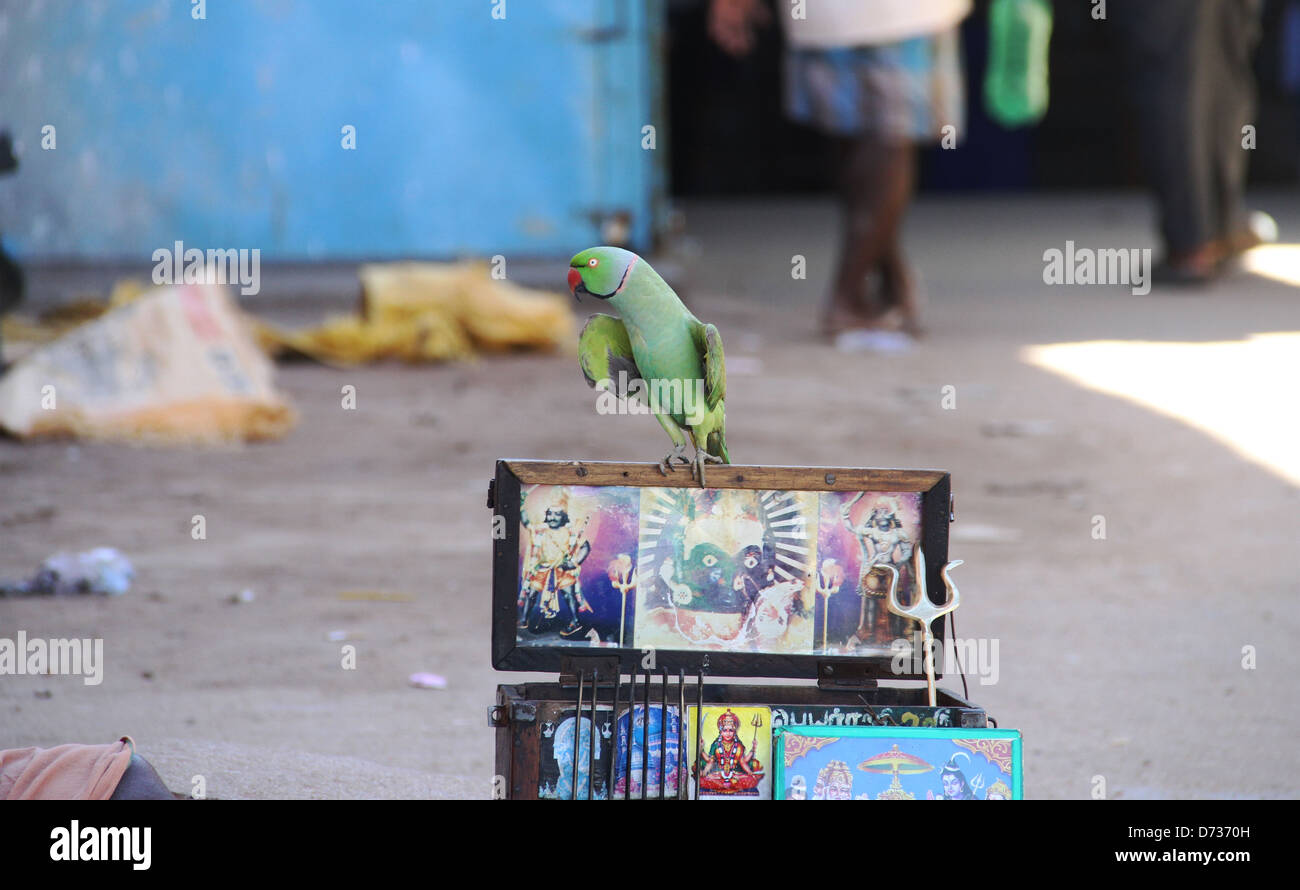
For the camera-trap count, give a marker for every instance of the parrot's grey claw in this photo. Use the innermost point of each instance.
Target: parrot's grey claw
(666, 465)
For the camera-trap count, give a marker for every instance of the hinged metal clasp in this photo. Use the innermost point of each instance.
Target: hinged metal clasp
(845, 676)
(514, 712)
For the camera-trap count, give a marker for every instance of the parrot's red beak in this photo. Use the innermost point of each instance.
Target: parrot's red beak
(575, 282)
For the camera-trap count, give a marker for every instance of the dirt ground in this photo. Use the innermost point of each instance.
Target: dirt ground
(1120, 658)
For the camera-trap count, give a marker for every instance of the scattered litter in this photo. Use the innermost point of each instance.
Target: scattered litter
(428, 681)
(422, 312)
(176, 365)
(103, 570)
(377, 596)
(244, 596)
(892, 342)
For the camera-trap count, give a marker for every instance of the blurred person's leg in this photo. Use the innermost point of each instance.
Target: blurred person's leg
(877, 181)
(1237, 30)
(1172, 53)
(880, 102)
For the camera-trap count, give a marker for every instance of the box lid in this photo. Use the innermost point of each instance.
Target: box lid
(768, 572)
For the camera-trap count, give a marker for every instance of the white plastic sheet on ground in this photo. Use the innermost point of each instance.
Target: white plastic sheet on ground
(177, 365)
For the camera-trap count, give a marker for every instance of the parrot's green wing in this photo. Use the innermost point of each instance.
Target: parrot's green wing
(604, 350)
(709, 342)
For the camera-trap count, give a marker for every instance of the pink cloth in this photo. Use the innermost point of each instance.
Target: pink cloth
(68, 772)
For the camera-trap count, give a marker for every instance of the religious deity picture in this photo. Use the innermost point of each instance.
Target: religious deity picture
(575, 558)
(658, 774)
(834, 715)
(889, 763)
(857, 534)
(734, 753)
(726, 569)
(687, 570)
(569, 750)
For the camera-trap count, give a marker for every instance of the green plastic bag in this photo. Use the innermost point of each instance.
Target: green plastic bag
(1015, 83)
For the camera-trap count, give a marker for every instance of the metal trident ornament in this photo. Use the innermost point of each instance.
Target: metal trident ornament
(925, 611)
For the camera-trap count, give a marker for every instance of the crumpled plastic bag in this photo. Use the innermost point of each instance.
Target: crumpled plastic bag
(103, 570)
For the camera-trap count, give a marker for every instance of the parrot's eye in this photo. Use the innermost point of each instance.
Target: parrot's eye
(751, 561)
(710, 560)
(593, 262)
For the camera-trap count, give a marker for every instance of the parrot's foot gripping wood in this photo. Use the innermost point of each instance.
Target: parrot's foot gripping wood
(678, 453)
(703, 457)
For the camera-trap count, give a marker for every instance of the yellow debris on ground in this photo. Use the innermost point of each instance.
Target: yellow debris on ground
(185, 363)
(420, 312)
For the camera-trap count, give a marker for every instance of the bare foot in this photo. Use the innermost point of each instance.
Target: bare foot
(846, 312)
(900, 293)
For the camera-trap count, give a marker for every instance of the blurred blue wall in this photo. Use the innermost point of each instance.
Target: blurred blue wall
(474, 135)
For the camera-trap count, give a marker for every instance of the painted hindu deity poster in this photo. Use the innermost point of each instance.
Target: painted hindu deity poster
(726, 569)
(575, 561)
(734, 753)
(736, 570)
(887, 763)
(571, 750)
(857, 534)
(658, 773)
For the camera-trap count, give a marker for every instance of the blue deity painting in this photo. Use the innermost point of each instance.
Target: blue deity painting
(558, 766)
(664, 759)
(889, 763)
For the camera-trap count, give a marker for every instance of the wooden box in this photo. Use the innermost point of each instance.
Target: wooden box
(640, 589)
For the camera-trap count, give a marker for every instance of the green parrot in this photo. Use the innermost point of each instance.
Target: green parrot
(676, 358)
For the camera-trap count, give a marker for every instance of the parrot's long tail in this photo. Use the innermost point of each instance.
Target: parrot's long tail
(717, 445)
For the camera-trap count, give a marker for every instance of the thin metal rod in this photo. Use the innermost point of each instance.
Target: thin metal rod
(577, 737)
(663, 738)
(645, 742)
(591, 738)
(699, 738)
(631, 733)
(681, 734)
(613, 759)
